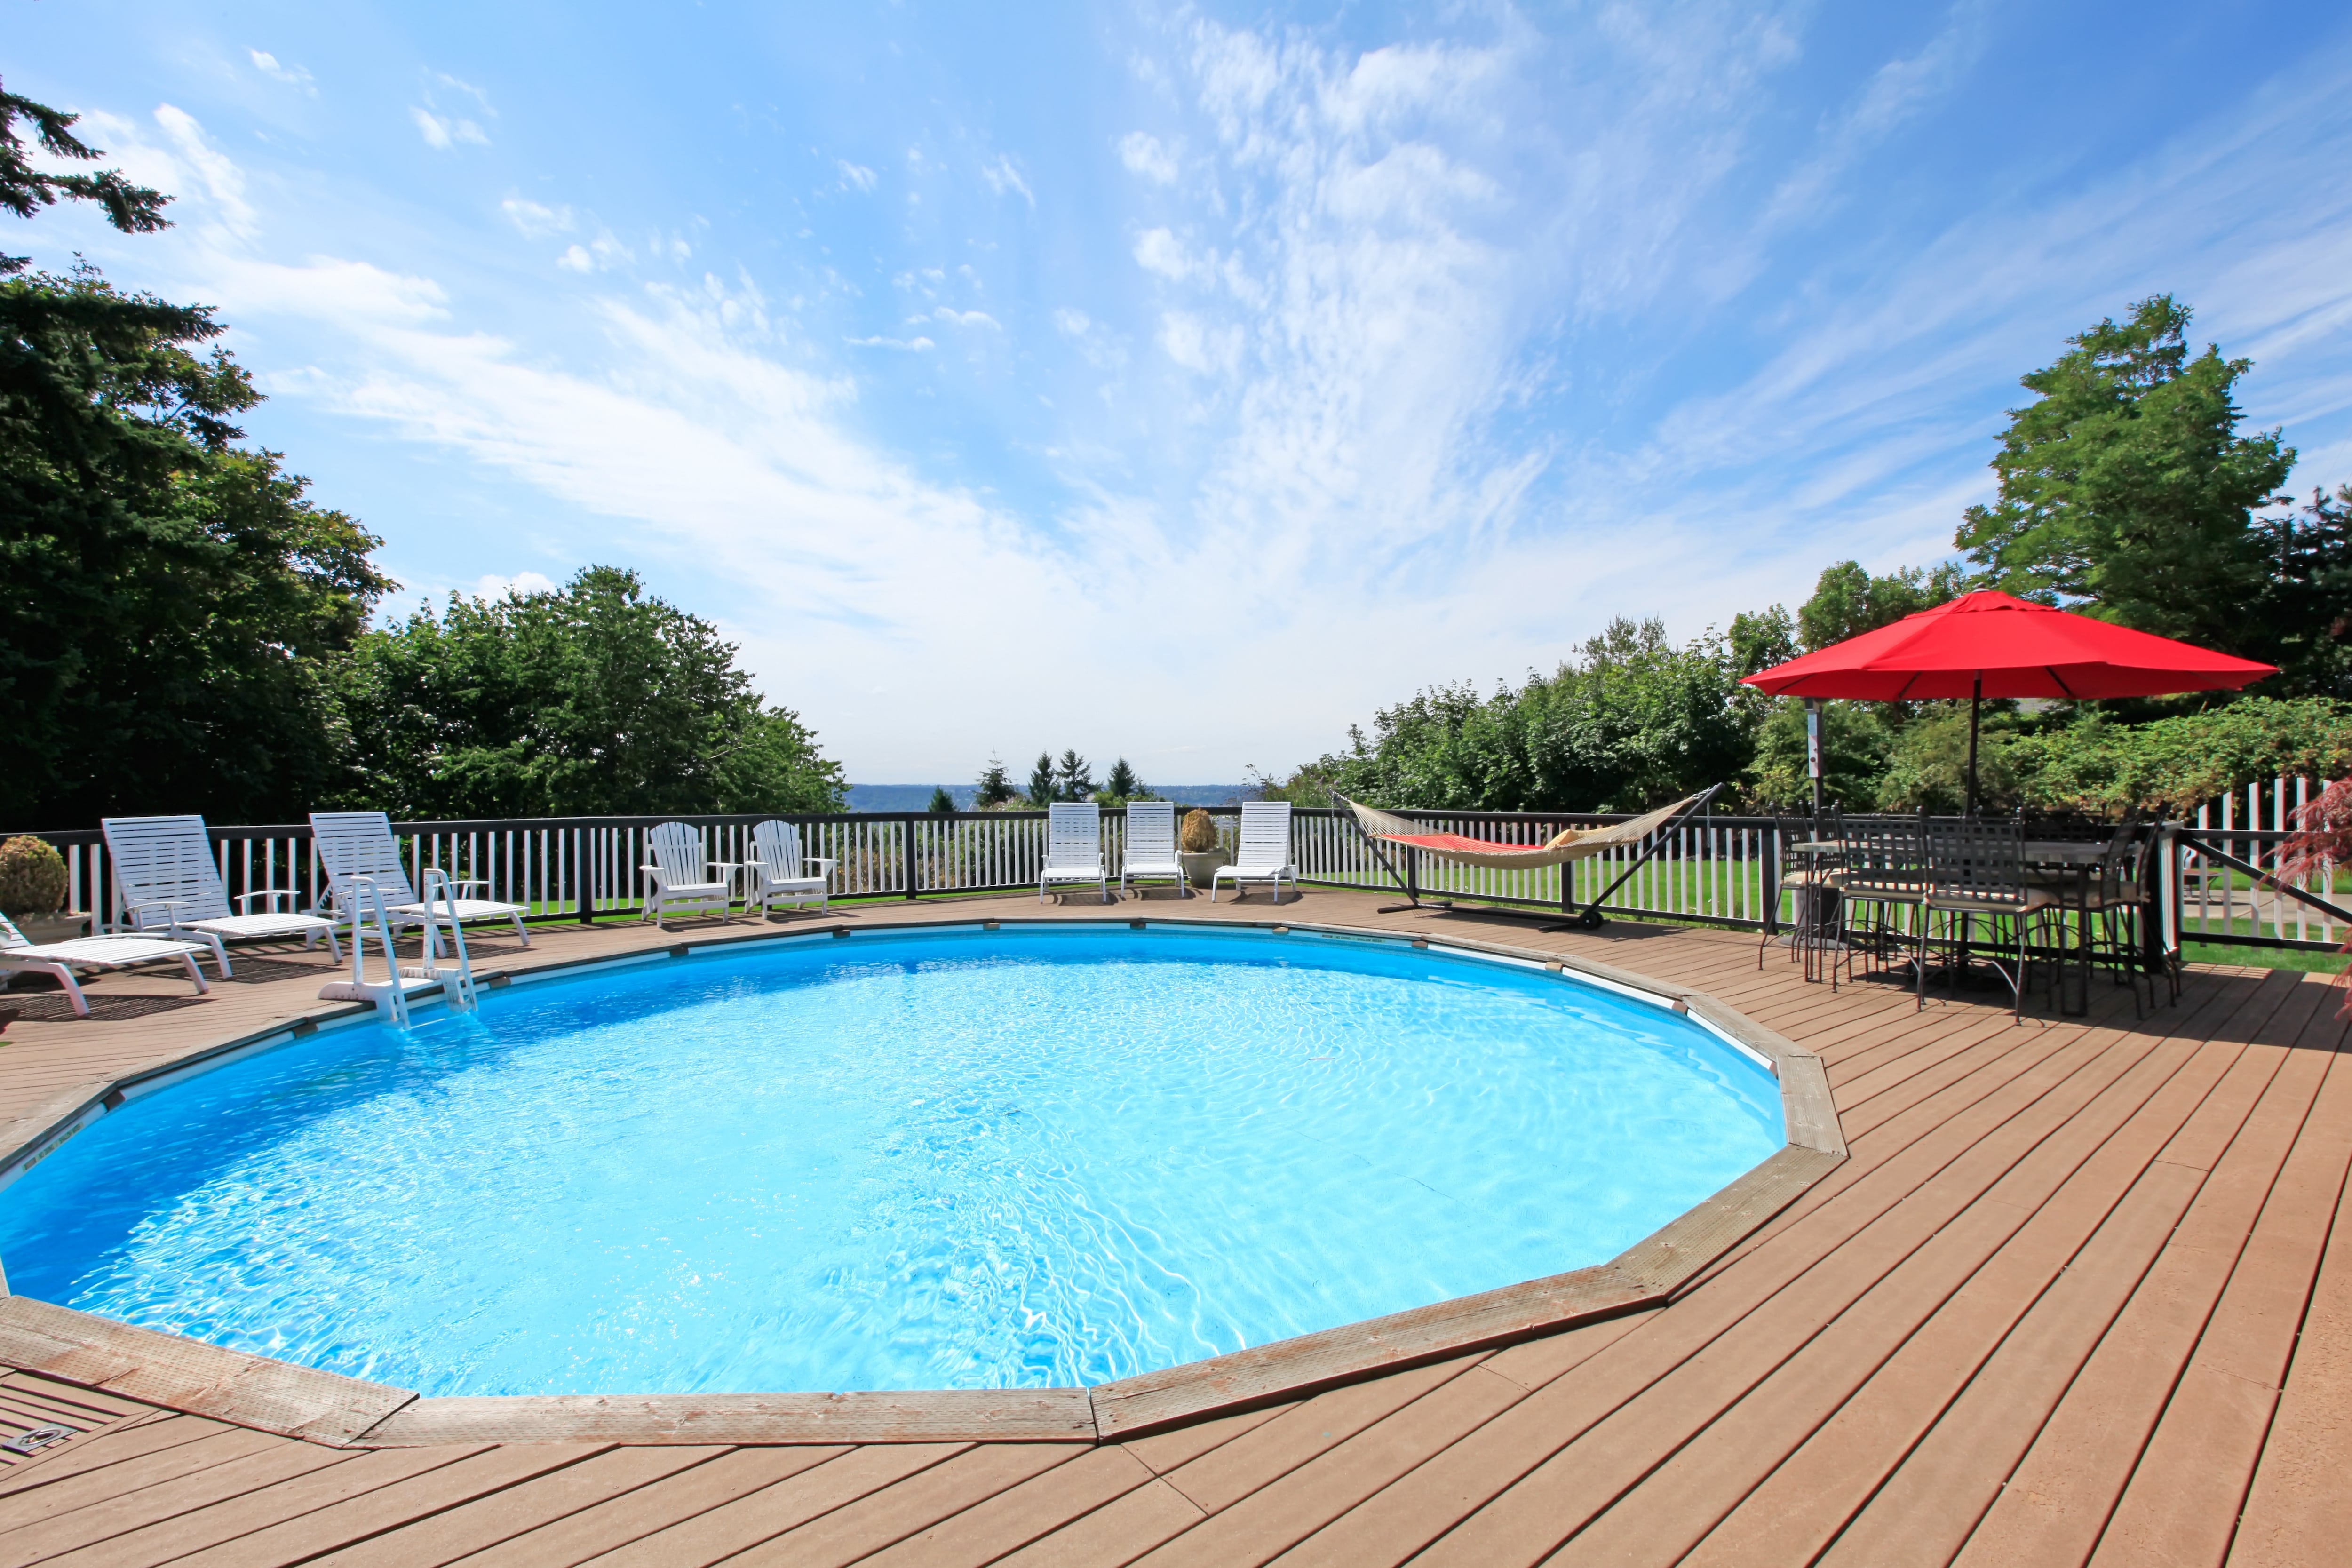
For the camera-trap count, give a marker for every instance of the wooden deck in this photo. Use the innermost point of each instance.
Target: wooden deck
(2075, 1297)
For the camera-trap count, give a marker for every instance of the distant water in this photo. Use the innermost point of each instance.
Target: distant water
(917, 797)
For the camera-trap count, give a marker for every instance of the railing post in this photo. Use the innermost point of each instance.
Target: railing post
(914, 883)
(583, 881)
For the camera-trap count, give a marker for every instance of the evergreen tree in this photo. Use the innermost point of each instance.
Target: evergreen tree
(1074, 778)
(942, 803)
(2307, 604)
(995, 786)
(1042, 790)
(1122, 784)
(2127, 485)
(172, 604)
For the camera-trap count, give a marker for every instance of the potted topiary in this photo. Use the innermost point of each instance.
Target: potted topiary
(1198, 849)
(33, 889)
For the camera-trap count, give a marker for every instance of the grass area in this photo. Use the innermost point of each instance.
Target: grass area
(2263, 957)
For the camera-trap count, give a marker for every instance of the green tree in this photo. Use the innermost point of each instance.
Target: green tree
(2126, 486)
(1632, 722)
(595, 699)
(25, 190)
(173, 603)
(1074, 777)
(1042, 790)
(1848, 601)
(2306, 604)
(1762, 639)
(994, 787)
(1121, 784)
(942, 803)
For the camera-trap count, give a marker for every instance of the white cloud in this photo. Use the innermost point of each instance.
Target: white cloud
(1073, 323)
(965, 318)
(1001, 177)
(491, 586)
(443, 131)
(916, 345)
(575, 258)
(292, 76)
(535, 220)
(855, 175)
(1144, 154)
(1158, 250)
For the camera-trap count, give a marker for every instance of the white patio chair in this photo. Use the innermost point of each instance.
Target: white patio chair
(779, 875)
(360, 844)
(58, 960)
(1073, 848)
(1264, 852)
(1152, 846)
(681, 875)
(167, 880)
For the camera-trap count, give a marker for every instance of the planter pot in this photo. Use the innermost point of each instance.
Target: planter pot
(1201, 864)
(64, 927)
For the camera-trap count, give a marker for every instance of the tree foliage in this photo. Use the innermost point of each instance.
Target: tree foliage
(2306, 609)
(2126, 488)
(1632, 722)
(172, 603)
(595, 699)
(994, 787)
(25, 190)
(1848, 601)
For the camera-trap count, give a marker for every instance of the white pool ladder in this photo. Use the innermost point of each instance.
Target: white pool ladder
(390, 996)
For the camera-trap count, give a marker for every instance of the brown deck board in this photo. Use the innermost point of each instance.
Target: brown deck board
(2183, 1500)
(2079, 1287)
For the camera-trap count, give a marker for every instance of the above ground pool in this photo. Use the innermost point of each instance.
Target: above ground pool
(955, 1159)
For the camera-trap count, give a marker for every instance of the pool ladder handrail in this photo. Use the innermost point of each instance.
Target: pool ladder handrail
(457, 984)
(390, 996)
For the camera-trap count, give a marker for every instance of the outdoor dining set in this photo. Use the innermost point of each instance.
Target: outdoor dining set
(2070, 895)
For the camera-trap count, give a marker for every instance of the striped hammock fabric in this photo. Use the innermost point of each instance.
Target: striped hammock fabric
(1571, 844)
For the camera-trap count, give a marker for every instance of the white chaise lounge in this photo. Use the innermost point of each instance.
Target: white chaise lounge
(360, 844)
(60, 960)
(1264, 852)
(166, 881)
(1073, 848)
(778, 873)
(1151, 846)
(680, 875)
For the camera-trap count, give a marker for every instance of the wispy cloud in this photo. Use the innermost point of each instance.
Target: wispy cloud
(292, 76)
(854, 177)
(1001, 177)
(1144, 154)
(535, 220)
(444, 131)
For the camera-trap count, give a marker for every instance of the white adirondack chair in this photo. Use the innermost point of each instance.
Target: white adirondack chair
(360, 844)
(779, 875)
(680, 875)
(1264, 853)
(1152, 846)
(166, 879)
(1073, 848)
(58, 960)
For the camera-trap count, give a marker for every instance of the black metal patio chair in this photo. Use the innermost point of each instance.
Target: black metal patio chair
(1973, 869)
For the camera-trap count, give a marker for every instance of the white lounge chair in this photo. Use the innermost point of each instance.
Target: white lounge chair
(360, 844)
(1152, 846)
(777, 873)
(681, 875)
(1264, 852)
(1073, 848)
(167, 880)
(58, 960)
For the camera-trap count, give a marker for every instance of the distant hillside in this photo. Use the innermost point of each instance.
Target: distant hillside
(917, 797)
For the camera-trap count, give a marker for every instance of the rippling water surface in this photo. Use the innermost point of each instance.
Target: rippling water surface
(1010, 1160)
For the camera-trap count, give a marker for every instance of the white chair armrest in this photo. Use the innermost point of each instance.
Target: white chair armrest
(824, 866)
(174, 905)
(246, 899)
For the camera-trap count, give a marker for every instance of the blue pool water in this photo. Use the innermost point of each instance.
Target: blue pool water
(1016, 1158)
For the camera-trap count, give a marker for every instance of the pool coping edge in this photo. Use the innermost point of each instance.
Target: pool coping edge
(260, 1392)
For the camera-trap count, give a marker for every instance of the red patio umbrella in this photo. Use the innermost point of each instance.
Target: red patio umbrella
(1987, 644)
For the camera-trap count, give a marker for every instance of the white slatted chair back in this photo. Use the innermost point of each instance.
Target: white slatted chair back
(163, 870)
(1265, 835)
(776, 845)
(1074, 836)
(676, 848)
(360, 844)
(1152, 832)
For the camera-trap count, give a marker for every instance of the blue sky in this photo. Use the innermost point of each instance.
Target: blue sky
(1185, 381)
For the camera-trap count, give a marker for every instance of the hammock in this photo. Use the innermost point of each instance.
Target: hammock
(1575, 844)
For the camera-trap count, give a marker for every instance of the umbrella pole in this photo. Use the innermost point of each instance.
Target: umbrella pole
(1975, 697)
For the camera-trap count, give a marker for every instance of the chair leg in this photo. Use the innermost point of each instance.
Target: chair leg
(188, 961)
(1919, 966)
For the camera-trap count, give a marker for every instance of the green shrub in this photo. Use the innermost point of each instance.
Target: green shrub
(2174, 765)
(32, 877)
